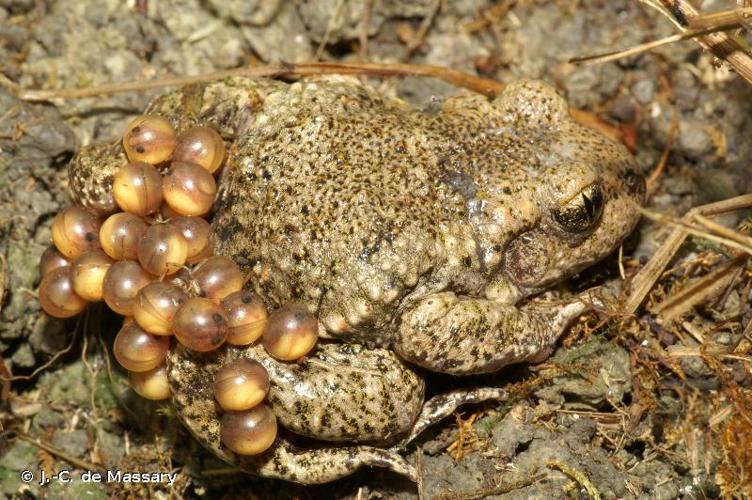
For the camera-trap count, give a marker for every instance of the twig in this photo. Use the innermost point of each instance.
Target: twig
(720, 18)
(698, 291)
(722, 45)
(661, 166)
(578, 476)
(51, 360)
(81, 464)
(643, 281)
(329, 28)
(365, 22)
(646, 47)
(420, 35)
(691, 229)
(484, 86)
(502, 488)
(419, 472)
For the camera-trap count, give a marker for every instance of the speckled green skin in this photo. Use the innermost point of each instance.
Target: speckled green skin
(412, 232)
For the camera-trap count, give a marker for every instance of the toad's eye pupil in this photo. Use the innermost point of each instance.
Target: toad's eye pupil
(582, 212)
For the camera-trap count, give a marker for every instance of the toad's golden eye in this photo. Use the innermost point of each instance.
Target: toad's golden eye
(581, 212)
(149, 138)
(249, 432)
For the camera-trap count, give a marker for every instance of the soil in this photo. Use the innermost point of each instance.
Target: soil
(614, 411)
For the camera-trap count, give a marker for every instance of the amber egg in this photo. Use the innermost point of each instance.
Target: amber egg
(122, 282)
(200, 324)
(138, 351)
(241, 384)
(52, 259)
(291, 332)
(189, 189)
(246, 317)
(156, 305)
(87, 273)
(249, 432)
(162, 250)
(166, 212)
(56, 295)
(120, 235)
(137, 188)
(149, 138)
(152, 384)
(218, 277)
(201, 145)
(198, 235)
(75, 231)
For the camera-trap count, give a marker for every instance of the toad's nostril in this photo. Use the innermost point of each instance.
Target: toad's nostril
(634, 182)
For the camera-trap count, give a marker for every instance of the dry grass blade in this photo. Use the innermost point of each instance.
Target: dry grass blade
(721, 18)
(646, 47)
(699, 291)
(723, 45)
(643, 281)
(709, 30)
(692, 229)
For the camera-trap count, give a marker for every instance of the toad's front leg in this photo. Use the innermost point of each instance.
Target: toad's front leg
(445, 333)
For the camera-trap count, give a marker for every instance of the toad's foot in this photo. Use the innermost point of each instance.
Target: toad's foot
(314, 464)
(443, 405)
(446, 333)
(301, 465)
(360, 393)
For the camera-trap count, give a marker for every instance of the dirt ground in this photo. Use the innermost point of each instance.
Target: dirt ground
(629, 406)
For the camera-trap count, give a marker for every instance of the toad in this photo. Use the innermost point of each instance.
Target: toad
(417, 237)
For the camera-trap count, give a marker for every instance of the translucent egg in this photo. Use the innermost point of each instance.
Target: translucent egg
(200, 325)
(149, 138)
(241, 384)
(56, 295)
(249, 432)
(75, 230)
(138, 351)
(291, 332)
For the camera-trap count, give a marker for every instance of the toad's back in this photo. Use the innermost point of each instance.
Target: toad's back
(338, 196)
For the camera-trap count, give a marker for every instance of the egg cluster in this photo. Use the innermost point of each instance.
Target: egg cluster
(154, 264)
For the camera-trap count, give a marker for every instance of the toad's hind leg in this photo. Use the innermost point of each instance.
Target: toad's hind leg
(321, 465)
(443, 405)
